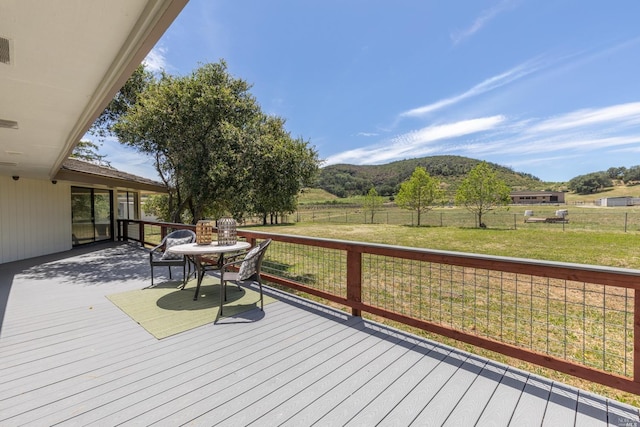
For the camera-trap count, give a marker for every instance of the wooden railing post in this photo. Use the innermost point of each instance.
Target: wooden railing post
(636, 336)
(141, 233)
(354, 279)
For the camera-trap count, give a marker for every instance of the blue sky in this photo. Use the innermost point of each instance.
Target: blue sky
(550, 88)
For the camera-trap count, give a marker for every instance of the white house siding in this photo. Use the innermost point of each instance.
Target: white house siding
(35, 218)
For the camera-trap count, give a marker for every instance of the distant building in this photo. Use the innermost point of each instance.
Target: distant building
(618, 201)
(536, 197)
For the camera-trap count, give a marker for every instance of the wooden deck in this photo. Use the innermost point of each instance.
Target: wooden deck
(68, 356)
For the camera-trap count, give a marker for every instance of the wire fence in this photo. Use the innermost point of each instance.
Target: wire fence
(578, 218)
(585, 323)
(581, 322)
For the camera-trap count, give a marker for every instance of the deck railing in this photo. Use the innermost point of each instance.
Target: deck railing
(582, 320)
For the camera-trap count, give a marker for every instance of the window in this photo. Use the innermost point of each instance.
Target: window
(128, 205)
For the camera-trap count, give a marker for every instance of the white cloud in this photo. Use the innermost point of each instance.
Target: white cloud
(487, 85)
(482, 20)
(155, 60)
(590, 132)
(622, 113)
(367, 134)
(415, 143)
(450, 130)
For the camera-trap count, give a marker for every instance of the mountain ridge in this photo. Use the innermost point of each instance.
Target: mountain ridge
(344, 180)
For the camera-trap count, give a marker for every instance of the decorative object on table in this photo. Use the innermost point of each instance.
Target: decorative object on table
(227, 234)
(204, 232)
(169, 259)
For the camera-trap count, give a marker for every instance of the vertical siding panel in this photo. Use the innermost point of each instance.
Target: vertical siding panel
(33, 200)
(35, 218)
(44, 233)
(13, 220)
(21, 217)
(63, 201)
(4, 217)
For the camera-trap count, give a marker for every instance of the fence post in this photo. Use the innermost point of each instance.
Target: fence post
(354, 279)
(515, 225)
(625, 221)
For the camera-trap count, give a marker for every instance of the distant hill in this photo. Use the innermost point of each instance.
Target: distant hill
(349, 180)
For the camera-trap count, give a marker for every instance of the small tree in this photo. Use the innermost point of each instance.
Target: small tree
(419, 193)
(372, 203)
(482, 191)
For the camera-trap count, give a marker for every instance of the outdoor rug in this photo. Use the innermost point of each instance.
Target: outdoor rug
(165, 310)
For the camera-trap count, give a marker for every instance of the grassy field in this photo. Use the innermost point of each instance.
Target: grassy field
(616, 249)
(593, 247)
(318, 206)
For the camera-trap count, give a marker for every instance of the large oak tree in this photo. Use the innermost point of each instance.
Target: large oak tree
(212, 144)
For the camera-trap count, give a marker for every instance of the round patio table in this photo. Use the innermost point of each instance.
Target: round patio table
(195, 252)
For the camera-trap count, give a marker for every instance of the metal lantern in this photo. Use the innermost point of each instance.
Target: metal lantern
(204, 232)
(227, 232)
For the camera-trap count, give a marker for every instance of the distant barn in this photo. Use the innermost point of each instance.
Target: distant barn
(536, 197)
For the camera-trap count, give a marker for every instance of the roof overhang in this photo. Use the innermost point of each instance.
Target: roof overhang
(80, 178)
(61, 62)
(83, 173)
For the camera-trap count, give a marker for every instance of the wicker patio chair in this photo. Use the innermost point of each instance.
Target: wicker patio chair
(159, 256)
(243, 271)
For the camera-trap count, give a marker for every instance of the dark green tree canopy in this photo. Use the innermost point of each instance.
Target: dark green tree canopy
(590, 183)
(214, 148)
(120, 104)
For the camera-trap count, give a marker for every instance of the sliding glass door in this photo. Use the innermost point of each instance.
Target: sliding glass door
(91, 215)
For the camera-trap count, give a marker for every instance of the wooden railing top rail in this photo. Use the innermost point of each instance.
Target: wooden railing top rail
(613, 276)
